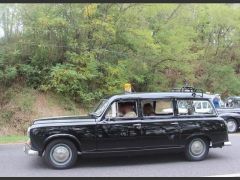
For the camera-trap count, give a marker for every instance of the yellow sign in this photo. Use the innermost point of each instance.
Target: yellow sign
(128, 87)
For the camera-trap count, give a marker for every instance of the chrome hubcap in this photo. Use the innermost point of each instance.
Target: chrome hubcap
(231, 126)
(197, 147)
(61, 154)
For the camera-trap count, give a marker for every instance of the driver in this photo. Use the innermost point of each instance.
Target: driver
(121, 110)
(128, 110)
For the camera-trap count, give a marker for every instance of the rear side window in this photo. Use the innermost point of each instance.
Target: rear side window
(194, 107)
(164, 106)
(157, 107)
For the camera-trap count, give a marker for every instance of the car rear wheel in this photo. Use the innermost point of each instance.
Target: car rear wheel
(232, 125)
(196, 149)
(60, 154)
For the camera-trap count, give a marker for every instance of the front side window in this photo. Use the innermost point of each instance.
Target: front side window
(123, 109)
(194, 107)
(159, 107)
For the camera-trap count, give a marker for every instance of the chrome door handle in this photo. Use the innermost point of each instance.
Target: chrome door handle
(137, 126)
(174, 123)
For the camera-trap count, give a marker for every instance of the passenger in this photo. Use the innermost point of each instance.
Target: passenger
(148, 110)
(128, 110)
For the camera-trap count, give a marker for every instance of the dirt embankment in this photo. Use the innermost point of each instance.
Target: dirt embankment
(19, 106)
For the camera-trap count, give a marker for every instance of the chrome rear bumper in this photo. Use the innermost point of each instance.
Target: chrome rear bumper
(27, 149)
(228, 143)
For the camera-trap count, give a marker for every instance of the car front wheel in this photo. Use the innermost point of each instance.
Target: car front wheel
(196, 149)
(232, 125)
(60, 154)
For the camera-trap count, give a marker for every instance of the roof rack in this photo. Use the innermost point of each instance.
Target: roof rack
(189, 89)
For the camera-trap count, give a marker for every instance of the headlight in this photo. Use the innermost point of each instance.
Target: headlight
(28, 132)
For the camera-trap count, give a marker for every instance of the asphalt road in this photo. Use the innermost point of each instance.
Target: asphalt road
(223, 162)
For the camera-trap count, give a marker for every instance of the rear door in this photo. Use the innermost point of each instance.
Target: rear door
(193, 122)
(160, 130)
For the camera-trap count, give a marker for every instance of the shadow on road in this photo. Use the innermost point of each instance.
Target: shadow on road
(85, 162)
(128, 160)
(215, 155)
(137, 160)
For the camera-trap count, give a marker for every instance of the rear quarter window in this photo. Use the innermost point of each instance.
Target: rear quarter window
(194, 107)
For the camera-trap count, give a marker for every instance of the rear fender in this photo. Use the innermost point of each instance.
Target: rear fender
(202, 135)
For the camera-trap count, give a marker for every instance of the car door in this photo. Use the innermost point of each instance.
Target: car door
(118, 133)
(191, 123)
(162, 129)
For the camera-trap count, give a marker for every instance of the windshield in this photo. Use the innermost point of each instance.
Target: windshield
(100, 107)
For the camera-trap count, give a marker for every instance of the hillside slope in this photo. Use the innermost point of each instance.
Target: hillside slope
(20, 105)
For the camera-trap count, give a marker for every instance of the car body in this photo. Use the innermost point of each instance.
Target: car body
(229, 111)
(233, 102)
(231, 116)
(103, 132)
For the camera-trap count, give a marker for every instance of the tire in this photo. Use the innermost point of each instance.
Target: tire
(197, 149)
(232, 125)
(60, 154)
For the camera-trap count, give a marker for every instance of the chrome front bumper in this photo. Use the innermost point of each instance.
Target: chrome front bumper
(27, 149)
(228, 143)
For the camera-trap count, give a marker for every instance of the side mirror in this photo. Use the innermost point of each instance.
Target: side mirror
(107, 118)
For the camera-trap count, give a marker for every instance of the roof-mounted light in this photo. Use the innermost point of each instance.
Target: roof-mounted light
(127, 88)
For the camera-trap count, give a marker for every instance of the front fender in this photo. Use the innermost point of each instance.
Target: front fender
(67, 136)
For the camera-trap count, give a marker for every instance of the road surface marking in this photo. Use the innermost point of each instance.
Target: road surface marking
(236, 134)
(226, 175)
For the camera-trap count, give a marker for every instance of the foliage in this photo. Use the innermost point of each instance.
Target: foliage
(87, 51)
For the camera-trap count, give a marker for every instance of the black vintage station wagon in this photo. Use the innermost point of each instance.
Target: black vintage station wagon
(131, 123)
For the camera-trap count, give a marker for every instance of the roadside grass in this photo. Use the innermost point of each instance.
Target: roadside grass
(12, 139)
